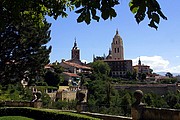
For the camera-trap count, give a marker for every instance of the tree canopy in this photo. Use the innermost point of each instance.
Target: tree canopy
(87, 9)
(23, 48)
(100, 67)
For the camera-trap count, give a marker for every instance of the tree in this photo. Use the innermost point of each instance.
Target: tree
(148, 99)
(88, 9)
(23, 48)
(126, 103)
(100, 67)
(53, 78)
(151, 71)
(171, 100)
(168, 74)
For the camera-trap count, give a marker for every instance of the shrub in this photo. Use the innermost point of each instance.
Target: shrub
(42, 114)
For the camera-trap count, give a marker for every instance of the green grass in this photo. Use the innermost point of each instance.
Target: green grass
(15, 118)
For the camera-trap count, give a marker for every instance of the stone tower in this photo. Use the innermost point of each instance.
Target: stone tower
(75, 52)
(117, 47)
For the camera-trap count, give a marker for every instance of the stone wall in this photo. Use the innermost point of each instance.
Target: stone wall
(160, 89)
(52, 96)
(12, 103)
(70, 94)
(161, 114)
(139, 111)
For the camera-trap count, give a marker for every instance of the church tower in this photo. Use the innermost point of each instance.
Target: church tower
(117, 47)
(75, 52)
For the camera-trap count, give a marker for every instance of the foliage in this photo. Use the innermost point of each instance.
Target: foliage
(148, 99)
(151, 8)
(126, 103)
(64, 105)
(169, 81)
(23, 49)
(172, 99)
(46, 100)
(15, 118)
(89, 9)
(18, 93)
(54, 77)
(15, 92)
(43, 114)
(168, 74)
(100, 67)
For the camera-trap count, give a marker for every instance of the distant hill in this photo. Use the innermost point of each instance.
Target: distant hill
(163, 73)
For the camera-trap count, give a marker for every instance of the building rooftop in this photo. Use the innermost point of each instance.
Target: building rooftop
(71, 74)
(76, 65)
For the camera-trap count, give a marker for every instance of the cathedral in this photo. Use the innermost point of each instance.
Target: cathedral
(115, 59)
(117, 51)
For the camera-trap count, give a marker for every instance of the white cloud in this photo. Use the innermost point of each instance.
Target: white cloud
(157, 63)
(84, 61)
(175, 69)
(177, 56)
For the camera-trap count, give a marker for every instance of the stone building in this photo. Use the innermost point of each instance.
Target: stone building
(72, 68)
(74, 65)
(115, 59)
(117, 49)
(141, 68)
(119, 68)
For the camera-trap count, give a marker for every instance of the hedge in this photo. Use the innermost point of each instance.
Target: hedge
(42, 114)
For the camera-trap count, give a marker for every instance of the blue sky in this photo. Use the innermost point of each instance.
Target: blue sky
(158, 49)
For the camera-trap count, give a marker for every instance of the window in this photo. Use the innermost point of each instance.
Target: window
(115, 50)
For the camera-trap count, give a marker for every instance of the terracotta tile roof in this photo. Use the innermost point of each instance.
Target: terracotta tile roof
(77, 65)
(141, 66)
(112, 60)
(71, 74)
(48, 66)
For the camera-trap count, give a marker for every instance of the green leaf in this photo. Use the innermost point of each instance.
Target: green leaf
(113, 13)
(105, 15)
(80, 18)
(77, 4)
(93, 12)
(151, 24)
(161, 14)
(155, 18)
(87, 18)
(79, 11)
(133, 8)
(96, 18)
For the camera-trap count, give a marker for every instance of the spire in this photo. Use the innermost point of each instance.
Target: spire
(109, 51)
(139, 62)
(117, 32)
(75, 44)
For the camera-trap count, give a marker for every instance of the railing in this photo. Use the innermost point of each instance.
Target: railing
(12, 103)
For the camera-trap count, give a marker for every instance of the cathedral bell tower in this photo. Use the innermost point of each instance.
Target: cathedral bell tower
(117, 47)
(75, 52)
